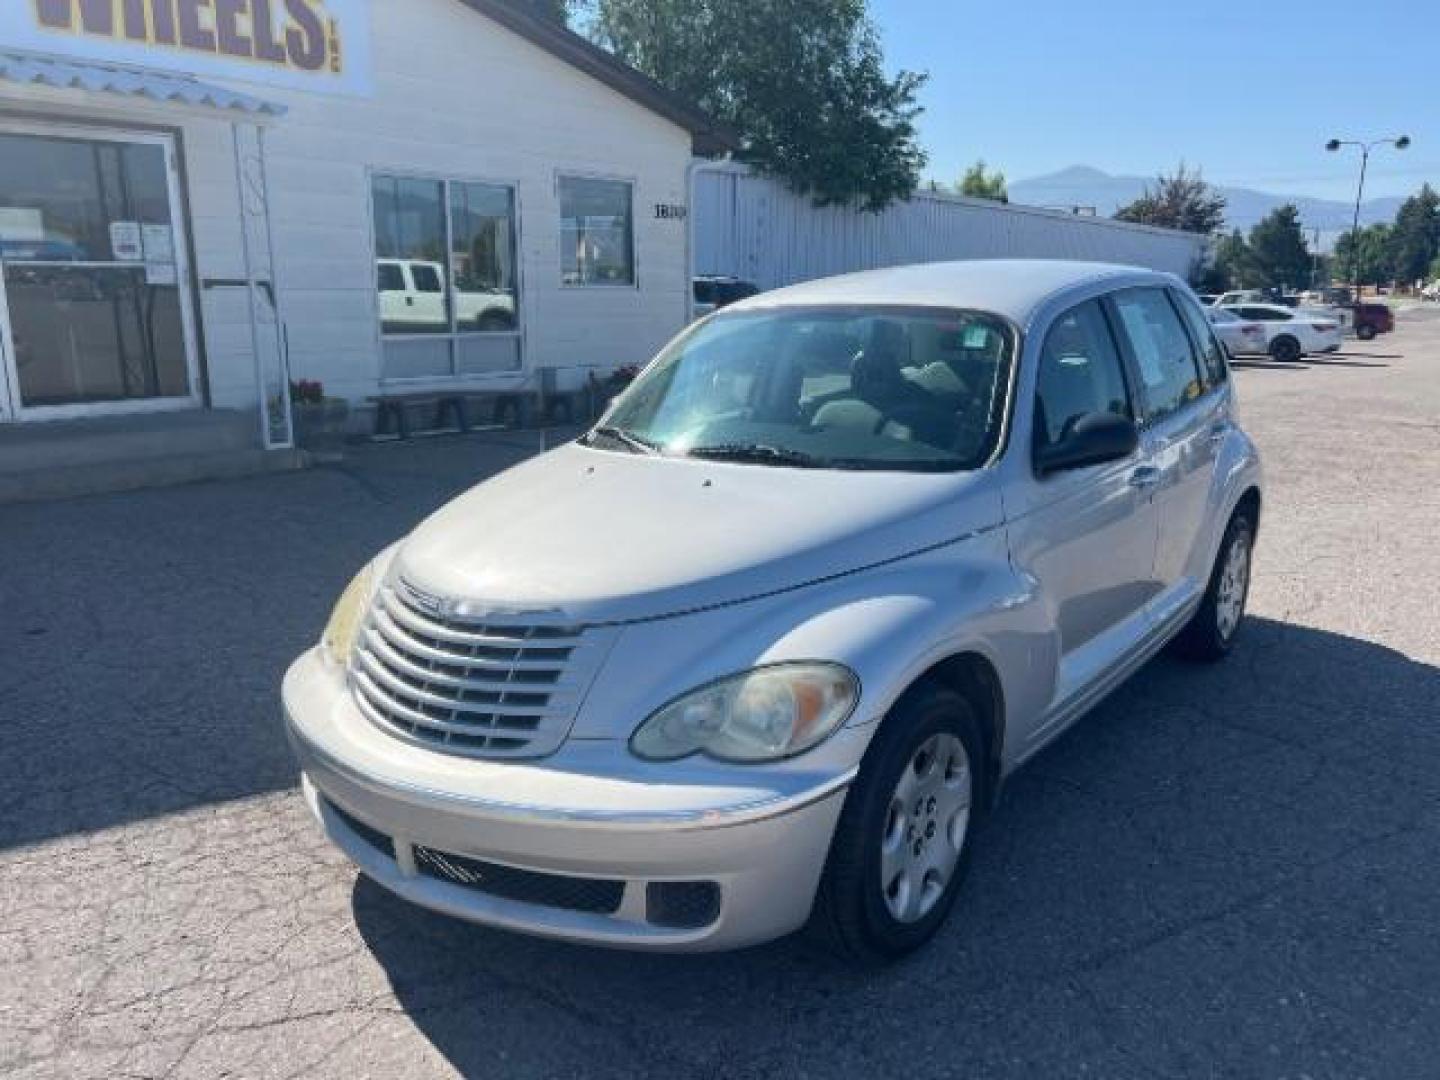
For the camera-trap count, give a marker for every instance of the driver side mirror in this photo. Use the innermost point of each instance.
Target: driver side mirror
(1094, 438)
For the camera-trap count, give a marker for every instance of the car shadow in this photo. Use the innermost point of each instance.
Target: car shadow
(1191, 792)
(1342, 360)
(1256, 363)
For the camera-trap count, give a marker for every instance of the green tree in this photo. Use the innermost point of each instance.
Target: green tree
(1233, 266)
(978, 184)
(1277, 245)
(1180, 201)
(1415, 237)
(1374, 251)
(803, 84)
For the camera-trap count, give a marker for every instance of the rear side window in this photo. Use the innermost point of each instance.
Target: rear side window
(1168, 373)
(427, 278)
(1212, 355)
(1080, 372)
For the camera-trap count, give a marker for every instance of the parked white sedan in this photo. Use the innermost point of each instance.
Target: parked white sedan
(1243, 337)
(1290, 333)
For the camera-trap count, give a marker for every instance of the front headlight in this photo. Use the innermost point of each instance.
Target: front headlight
(341, 632)
(761, 715)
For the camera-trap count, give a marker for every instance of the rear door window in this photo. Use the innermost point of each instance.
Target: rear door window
(427, 278)
(1169, 375)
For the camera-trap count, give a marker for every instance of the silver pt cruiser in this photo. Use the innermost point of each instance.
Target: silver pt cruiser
(760, 648)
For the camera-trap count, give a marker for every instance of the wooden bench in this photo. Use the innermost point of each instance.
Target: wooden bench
(508, 409)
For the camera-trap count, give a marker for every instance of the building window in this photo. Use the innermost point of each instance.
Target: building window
(597, 231)
(446, 272)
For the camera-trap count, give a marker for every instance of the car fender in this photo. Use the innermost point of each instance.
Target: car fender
(889, 625)
(1237, 470)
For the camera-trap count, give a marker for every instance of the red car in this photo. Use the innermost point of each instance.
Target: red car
(1372, 319)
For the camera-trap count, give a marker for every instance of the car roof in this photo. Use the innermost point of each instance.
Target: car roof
(1013, 288)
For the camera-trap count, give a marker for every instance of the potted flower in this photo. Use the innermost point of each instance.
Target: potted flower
(319, 421)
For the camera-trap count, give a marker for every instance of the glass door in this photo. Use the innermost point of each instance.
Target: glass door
(94, 306)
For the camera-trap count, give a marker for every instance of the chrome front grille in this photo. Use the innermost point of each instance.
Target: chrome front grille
(485, 688)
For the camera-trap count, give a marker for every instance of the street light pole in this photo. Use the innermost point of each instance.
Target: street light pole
(1365, 147)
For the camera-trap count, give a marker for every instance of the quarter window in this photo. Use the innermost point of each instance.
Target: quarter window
(1212, 354)
(1168, 373)
(597, 231)
(1080, 373)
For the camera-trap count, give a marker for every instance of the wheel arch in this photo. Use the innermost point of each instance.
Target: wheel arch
(1250, 501)
(972, 675)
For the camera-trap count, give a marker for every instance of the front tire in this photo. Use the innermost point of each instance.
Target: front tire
(902, 845)
(1286, 350)
(1210, 634)
(1365, 332)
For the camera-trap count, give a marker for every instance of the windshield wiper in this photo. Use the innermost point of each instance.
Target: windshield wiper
(759, 453)
(634, 443)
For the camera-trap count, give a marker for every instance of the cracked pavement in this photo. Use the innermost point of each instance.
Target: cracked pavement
(1229, 871)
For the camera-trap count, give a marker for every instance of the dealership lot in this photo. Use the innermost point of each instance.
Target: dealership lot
(1223, 871)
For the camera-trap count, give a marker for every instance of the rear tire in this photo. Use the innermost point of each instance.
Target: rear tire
(1286, 350)
(1210, 634)
(1365, 332)
(910, 816)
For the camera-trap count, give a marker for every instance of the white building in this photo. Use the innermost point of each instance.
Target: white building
(755, 228)
(200, 199)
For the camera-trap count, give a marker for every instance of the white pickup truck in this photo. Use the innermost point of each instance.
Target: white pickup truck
(412, 299)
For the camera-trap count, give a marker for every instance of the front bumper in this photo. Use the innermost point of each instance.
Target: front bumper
(757, 837)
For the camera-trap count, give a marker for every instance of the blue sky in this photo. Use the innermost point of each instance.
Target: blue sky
(1249, 92)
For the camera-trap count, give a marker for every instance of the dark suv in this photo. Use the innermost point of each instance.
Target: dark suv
(1371, 320)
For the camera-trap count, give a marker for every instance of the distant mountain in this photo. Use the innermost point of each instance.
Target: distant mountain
(1081, 185)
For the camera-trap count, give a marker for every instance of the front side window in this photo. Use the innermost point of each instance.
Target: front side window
(597, 231)
(1168, 373)
(844, 387)
(1080, 373)
(1212, 354)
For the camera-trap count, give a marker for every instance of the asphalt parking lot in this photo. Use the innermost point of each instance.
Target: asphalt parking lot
(1227, 871)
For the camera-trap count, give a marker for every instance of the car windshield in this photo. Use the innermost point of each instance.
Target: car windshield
(917, 389)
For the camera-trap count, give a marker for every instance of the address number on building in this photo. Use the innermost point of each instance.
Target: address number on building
(671, 212)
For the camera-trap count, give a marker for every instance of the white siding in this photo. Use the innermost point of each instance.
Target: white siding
(756, 228)
(456, 96)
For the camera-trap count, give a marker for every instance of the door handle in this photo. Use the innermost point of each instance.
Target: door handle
(1145, 477)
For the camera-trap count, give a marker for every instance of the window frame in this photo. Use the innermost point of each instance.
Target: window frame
(1145, 421)
(633, 184)
(453, 336)
(1128, 374)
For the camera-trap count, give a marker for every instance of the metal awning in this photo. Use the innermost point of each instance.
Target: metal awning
(67, 74)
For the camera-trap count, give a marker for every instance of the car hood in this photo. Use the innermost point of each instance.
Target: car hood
(592, 536)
